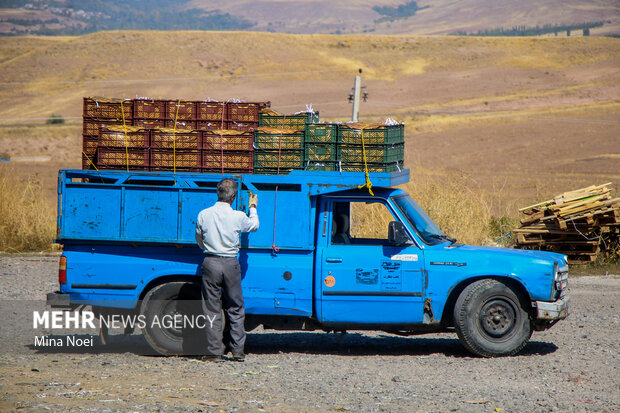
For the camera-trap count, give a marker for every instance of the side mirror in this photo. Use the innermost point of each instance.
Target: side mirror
(397, 234)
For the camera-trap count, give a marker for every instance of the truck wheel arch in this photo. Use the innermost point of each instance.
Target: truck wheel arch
(447, 319)
(165, 279)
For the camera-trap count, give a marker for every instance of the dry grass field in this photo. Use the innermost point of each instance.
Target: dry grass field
(503, 121)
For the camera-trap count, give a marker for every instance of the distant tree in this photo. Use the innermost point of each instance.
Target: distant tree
(55, 120)
(400, 12)
(532, 31)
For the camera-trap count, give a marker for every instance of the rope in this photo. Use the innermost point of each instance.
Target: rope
(91, 162)
(125, 131)
(174, 140)
(368, 184)
(94, 166)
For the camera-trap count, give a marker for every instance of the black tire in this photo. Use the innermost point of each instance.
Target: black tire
(167, 300)
(491, 319)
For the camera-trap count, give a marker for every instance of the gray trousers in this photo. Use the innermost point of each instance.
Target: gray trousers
(221, 285)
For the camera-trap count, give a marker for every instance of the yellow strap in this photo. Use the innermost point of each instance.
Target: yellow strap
(94, 166)
(91, 162)
(125, 130)
(174, 141)
(368, 184)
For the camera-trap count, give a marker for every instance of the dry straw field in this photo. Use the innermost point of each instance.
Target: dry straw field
(492, 124)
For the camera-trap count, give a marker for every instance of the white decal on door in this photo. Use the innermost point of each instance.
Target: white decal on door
(405, 257)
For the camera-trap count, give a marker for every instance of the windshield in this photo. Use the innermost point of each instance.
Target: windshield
(418, 220)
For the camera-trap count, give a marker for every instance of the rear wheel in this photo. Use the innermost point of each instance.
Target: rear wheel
(491, 319)
(168, 310)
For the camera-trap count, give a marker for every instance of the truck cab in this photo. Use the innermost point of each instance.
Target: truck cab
(328, 255)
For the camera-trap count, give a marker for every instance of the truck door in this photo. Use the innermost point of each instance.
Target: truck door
(363, 278)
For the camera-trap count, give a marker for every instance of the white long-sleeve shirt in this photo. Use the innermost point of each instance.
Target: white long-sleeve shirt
(218, 228)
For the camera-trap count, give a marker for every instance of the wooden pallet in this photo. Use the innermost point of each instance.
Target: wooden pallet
(581, 224)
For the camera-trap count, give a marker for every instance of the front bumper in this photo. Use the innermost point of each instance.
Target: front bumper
(549, 313)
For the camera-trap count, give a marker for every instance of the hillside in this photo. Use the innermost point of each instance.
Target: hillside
(435, 17)
(59, 17)
(521, 118)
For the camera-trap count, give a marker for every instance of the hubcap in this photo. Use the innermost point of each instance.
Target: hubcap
(497, 317)
(169, 315)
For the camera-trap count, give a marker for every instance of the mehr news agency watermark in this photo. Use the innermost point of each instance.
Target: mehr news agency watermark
(87, 320)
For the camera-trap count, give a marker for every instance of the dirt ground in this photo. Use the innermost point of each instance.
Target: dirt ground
(574, 366)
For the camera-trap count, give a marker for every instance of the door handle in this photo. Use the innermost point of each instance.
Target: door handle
(333, 260)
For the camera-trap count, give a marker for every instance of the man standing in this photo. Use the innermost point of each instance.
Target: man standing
(217, 234)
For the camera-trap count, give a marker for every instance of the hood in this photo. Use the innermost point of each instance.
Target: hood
(517, 254)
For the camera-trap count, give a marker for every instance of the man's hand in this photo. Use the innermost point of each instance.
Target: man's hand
(253, 201)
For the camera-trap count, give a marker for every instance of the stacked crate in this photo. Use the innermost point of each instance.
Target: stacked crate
(175, 150)
(278, 151)
(149, 113)
(230, 137)
(101, 112)
(280, 140)
(123, 148)
(244, 116)
(181, 114)
(269, 118)
(372, 147)
(320, 147)
(210, 115)
(227, 151)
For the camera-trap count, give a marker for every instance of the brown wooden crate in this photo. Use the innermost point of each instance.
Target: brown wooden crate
(91, 126)
(227, 140)
(118, 157)
(210, 111)
(105, 108)
(130, 137)
(149, 109)
(168, 158)
(186, 110)
(167, 139)
(228, 159)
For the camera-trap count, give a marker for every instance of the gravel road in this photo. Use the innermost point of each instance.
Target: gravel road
(575, 366)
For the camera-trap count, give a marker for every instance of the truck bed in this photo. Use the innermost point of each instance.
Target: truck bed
(162, 207)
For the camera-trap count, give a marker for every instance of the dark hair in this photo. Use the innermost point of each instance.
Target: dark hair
(226, 190)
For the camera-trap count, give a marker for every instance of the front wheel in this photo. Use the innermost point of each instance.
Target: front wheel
(491, 320)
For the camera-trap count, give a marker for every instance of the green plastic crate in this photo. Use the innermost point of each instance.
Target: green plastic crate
(281, 159)
(320, 152)
(279, 141)
(374, 153)
(269, 119)
(372, 167)
(351, 134)
(321, 133)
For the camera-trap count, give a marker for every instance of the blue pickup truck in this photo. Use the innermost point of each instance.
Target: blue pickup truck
(328, 256)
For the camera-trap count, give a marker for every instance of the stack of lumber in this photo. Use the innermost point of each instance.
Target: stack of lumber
(582, 224)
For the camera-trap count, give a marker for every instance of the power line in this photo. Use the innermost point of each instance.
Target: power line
(74, 82)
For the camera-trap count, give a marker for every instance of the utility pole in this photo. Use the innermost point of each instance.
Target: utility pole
(357, 88)
(354, 96)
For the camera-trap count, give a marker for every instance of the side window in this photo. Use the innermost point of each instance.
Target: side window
(360, 222)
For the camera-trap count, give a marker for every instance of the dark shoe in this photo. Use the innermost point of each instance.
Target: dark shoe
(213, 358)
(239, 357)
